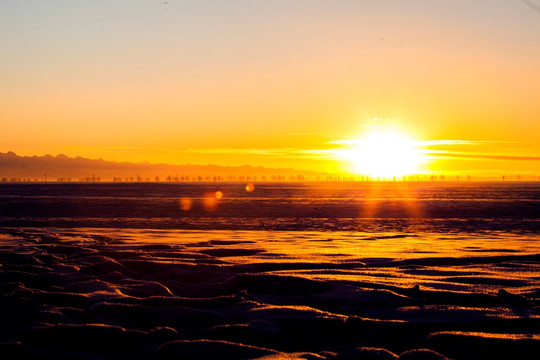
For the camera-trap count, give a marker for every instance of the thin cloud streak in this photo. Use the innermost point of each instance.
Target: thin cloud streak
(423, 143)
(462, 142)
(329, 154)
(274, 153)
(457, 155)
(291, 153)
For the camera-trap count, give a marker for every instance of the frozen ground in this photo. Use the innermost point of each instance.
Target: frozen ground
(105, 293)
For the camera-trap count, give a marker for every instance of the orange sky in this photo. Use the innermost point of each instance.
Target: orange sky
(272, 83)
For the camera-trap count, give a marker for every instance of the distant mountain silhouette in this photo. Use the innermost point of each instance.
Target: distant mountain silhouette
(63, 168)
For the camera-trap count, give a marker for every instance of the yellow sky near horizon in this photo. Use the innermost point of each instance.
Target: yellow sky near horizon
(272, 83)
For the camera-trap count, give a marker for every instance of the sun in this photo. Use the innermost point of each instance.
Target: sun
(385, 155)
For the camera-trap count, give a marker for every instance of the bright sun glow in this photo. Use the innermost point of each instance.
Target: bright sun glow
(385, 155)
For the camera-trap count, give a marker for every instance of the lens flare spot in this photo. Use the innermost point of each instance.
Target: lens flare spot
(185, 204)
(218, 195)
(250, 187)
(210, 201)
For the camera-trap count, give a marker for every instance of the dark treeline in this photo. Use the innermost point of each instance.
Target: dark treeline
(265, 178)
(60, 168)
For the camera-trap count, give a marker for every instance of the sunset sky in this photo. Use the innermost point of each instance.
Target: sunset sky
(274, 83)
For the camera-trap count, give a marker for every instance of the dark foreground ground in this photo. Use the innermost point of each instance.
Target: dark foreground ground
(138, 294)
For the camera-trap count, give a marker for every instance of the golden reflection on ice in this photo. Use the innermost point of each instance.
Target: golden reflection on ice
(383, 198)
(301, 308)
(492, 335)
(432, 261)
